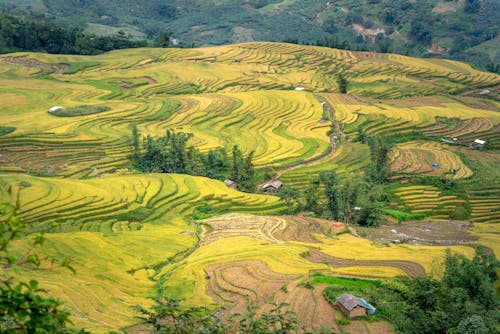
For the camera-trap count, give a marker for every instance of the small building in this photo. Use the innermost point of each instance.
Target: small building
(477, 144)
(272, 187)
(353, 306)
(230, 183)
(300, 88)
(55, 109)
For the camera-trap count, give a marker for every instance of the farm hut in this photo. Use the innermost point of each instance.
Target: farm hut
(272, 187)
(230, 183)
(353, 306)
(477, 144)
(300, 88)
(55, 109)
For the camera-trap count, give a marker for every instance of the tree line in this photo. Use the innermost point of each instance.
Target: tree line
(36, 32)
(172, 154)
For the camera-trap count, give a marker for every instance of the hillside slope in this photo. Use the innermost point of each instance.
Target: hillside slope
(464, 30)
(132, 235)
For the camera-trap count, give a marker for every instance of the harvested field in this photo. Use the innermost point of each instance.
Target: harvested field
(273, 229)
(410, 268)
(233, 284)
(419, 157)
(422, 233)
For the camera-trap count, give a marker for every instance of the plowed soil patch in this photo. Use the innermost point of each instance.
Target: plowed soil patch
(412, 269)
(44, 67)
(233, 284)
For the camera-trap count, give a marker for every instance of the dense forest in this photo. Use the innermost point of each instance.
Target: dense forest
(463, 30)
(35, 32)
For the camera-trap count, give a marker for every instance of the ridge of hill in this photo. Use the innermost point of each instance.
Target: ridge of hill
(463, 30)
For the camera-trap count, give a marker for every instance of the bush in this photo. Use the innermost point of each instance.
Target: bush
(81, 111)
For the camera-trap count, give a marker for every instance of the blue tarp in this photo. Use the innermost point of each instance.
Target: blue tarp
(371, 310)
(435, 165)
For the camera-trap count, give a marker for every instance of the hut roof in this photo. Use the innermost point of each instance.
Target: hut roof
(480, 142)
(274, 184)
(55, 108)
(228, 182)
(349, 301)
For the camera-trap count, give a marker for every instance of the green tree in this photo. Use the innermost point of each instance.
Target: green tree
(472, 325)
(243, 171)
(311, 195)
(162, 40)
(290, 196)
(332, 191)
(342, 83)
(135, 144)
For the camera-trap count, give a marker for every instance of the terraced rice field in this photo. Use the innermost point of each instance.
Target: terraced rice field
(117, 231)
(128, 234)
(418, 157)
(224, 95)
(427, 200)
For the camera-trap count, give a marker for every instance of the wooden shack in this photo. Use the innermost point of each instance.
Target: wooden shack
(351, 306)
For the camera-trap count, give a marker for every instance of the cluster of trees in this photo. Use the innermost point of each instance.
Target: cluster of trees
(463, 302)
(171, 154)
(349, 199)
(378, 171)
(36, 32)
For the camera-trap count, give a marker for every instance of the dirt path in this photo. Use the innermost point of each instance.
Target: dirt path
(331, 150)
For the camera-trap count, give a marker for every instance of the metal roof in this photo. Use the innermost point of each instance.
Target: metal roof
(349, 301)
(275, 184)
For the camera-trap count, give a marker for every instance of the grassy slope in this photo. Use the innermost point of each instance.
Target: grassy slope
(107, 219)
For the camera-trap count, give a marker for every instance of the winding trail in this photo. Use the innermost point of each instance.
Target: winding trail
(324, 156)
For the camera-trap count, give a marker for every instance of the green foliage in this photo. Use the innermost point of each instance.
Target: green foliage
(402, 216)
(162, 40)
(349, 283)
(81, 111)
(168, 317)
(311, 196)
(406, 27)
(36, 32)
(24, 306)
(466, 289)
(279, 320)
(290, 196)
(351, 200)
(242, 170)
(203, 211)
(343, 83)
(6, 129)
(464, 301)
(472, 325)
(378, 170)
(171, 154)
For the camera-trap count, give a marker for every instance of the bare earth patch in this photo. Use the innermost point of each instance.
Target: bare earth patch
(273, 229)
(422, 233)
(44, 67)
(233, 284)
(411, 269)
